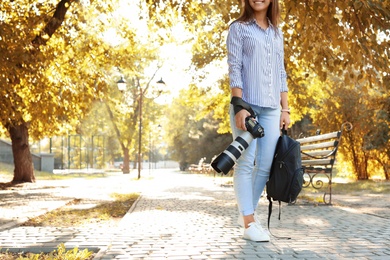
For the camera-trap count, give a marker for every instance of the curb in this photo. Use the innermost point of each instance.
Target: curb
(102, 251)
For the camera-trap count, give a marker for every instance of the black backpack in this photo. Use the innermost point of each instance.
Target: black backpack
(286, 176)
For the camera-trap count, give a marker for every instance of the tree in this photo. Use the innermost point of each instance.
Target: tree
(348, 50)
(134, 52)
(36, 94)
(126, 118)
(190, 134)
(330, 45)
(56, 60)
(96, 126)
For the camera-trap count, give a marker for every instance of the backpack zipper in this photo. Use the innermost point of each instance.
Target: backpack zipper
(288, 151)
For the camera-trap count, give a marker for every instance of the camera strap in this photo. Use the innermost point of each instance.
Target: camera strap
(239, 104)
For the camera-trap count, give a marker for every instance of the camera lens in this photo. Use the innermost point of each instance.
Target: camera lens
(226, 160)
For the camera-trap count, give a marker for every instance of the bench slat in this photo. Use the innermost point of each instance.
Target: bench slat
(322, 137)
(317, 153)
(317, 162)
(319, 146)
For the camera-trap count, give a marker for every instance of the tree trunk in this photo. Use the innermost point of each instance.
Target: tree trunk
(126, 161)
(386, 169)
(24, 168)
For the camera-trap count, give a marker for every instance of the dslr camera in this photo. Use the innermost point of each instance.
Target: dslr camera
(226, 160)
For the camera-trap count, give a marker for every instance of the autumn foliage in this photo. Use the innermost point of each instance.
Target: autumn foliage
(55, 63)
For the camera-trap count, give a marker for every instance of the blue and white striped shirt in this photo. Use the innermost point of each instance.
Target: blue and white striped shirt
(256, 63)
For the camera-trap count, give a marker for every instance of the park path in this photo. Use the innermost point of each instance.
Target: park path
(190, 216)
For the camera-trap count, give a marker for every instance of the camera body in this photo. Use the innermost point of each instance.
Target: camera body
(226, 160)
(253, 127)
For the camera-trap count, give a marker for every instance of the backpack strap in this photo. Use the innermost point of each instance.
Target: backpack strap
(269, 216)
(269, 211)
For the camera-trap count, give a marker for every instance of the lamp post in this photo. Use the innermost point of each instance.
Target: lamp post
(140, 133)
(122, 87)
(125, 166)
(152, 152)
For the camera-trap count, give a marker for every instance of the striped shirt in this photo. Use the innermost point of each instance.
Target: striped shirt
(256, 63)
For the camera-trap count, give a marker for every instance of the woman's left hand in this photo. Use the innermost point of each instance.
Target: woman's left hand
(284, 120)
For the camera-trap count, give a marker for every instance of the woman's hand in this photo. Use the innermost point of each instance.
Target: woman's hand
(284, 120)
(240, 119)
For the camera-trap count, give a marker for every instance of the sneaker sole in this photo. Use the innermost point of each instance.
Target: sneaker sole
(261, 240)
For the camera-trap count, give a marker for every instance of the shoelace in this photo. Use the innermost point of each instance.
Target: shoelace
(257, 225)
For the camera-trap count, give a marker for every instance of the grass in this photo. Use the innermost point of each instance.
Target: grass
(6, 171)
(60, 254)
(345, 187)
(340, 185)
(102, 213)
(355, 187)
(373, 187)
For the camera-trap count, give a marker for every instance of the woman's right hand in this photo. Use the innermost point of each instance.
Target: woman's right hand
(240, 119)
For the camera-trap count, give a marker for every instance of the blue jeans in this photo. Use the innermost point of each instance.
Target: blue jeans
(252, 169)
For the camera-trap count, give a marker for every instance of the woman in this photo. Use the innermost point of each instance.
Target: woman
(258, 78)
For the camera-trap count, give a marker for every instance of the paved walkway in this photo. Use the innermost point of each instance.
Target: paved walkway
(187, 216)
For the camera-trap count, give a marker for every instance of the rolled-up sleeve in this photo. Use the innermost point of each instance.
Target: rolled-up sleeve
(234, 48)
(282, 69)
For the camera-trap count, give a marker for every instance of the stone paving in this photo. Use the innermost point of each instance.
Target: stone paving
(189, 216)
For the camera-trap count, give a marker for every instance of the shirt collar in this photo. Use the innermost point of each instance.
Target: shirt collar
(271, 26)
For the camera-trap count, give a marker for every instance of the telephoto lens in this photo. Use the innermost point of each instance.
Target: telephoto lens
(226, 160)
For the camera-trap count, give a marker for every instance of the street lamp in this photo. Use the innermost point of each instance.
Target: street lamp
(122, 86)
(161, 82)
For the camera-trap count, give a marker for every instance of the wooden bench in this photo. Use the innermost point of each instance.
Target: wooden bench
(197, 168)
(318, 154)
(201, 167)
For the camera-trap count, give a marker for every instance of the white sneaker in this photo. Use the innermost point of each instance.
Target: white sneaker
(256, 233)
